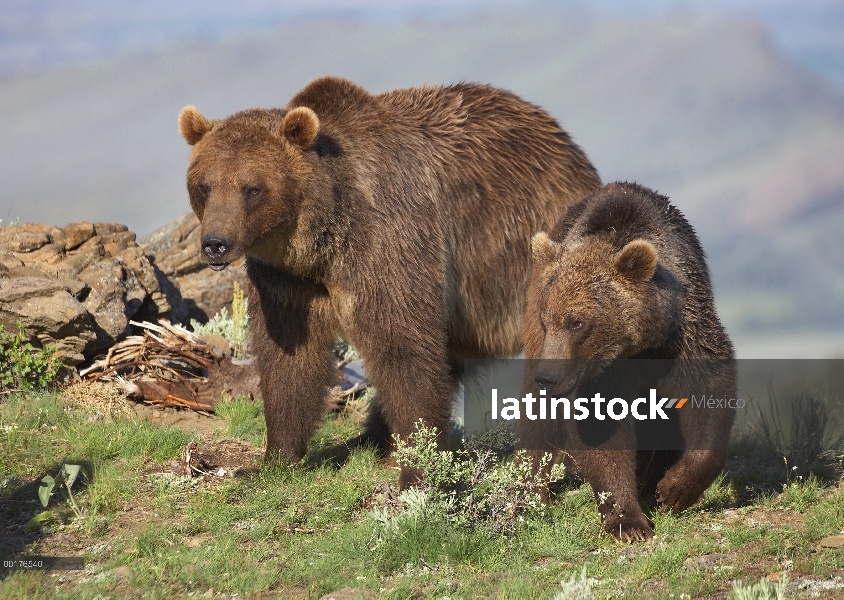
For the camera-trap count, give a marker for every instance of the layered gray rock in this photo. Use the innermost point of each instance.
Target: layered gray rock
(49, 315)
(91, 270)
(76, 288)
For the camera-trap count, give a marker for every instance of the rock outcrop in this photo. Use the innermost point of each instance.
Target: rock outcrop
(76, 288)
(50, 314)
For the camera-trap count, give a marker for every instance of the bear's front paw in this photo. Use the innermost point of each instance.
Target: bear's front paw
(673, 497)
(628, 528)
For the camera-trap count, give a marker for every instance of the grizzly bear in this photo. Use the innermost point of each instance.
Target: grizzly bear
(401, 222)
(623, 276)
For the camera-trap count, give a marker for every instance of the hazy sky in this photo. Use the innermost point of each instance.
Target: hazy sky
(53, 33)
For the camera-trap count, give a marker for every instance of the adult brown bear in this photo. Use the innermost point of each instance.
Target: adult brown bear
(400, 221)
(620, 303)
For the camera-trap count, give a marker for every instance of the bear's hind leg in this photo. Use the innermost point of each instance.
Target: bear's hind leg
(410, 388)
(376, 431)
(651, 467)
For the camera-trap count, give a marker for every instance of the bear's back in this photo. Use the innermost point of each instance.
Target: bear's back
(623, 212)
(468, 134)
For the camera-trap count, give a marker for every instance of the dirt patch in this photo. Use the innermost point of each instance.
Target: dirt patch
(228, 458)
(778, 518)
(350, 594)
(766, 516)
(204, 425)
(711, 560)
(110, 399)
(293, 592)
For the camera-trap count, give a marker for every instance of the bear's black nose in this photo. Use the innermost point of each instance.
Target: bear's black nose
(215, 247)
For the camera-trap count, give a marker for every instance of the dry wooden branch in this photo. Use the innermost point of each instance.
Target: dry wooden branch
(187, 457)
(170, 366)
(164, 352)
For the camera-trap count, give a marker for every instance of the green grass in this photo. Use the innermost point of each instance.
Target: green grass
(244, 419)
(308, 529)
(827, 516)
(36, 432)
(797, 495)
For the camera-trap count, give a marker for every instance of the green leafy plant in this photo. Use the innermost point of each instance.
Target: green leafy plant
(475, 486)
(22, 366)
(468, 503)
(422, 532)
(235, 328)
(64, 481)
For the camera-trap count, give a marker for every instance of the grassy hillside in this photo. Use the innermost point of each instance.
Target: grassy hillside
(242, 528)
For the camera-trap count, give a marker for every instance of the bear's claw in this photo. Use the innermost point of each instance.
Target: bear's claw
(628, 528)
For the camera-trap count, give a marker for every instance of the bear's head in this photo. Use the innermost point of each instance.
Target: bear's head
(248, 177)
(594, 303)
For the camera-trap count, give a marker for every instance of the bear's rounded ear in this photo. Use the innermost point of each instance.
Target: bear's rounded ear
(544, 248)
(637, 260)
(300, 127)
(192, 125)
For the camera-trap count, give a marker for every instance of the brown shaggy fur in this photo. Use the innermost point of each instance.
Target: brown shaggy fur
(400, 221)
(623, 275)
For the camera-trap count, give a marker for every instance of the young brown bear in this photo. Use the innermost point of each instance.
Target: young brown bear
(623, 276)
(400, 221)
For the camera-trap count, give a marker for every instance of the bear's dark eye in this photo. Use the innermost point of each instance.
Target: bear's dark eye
(251, 193)
(203, 190)
(576, 325)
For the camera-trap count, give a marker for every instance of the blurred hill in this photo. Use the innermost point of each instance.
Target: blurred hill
(747, 143)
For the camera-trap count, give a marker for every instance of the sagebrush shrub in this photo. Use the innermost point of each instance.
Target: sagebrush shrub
(475, 486)
(235, 328)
